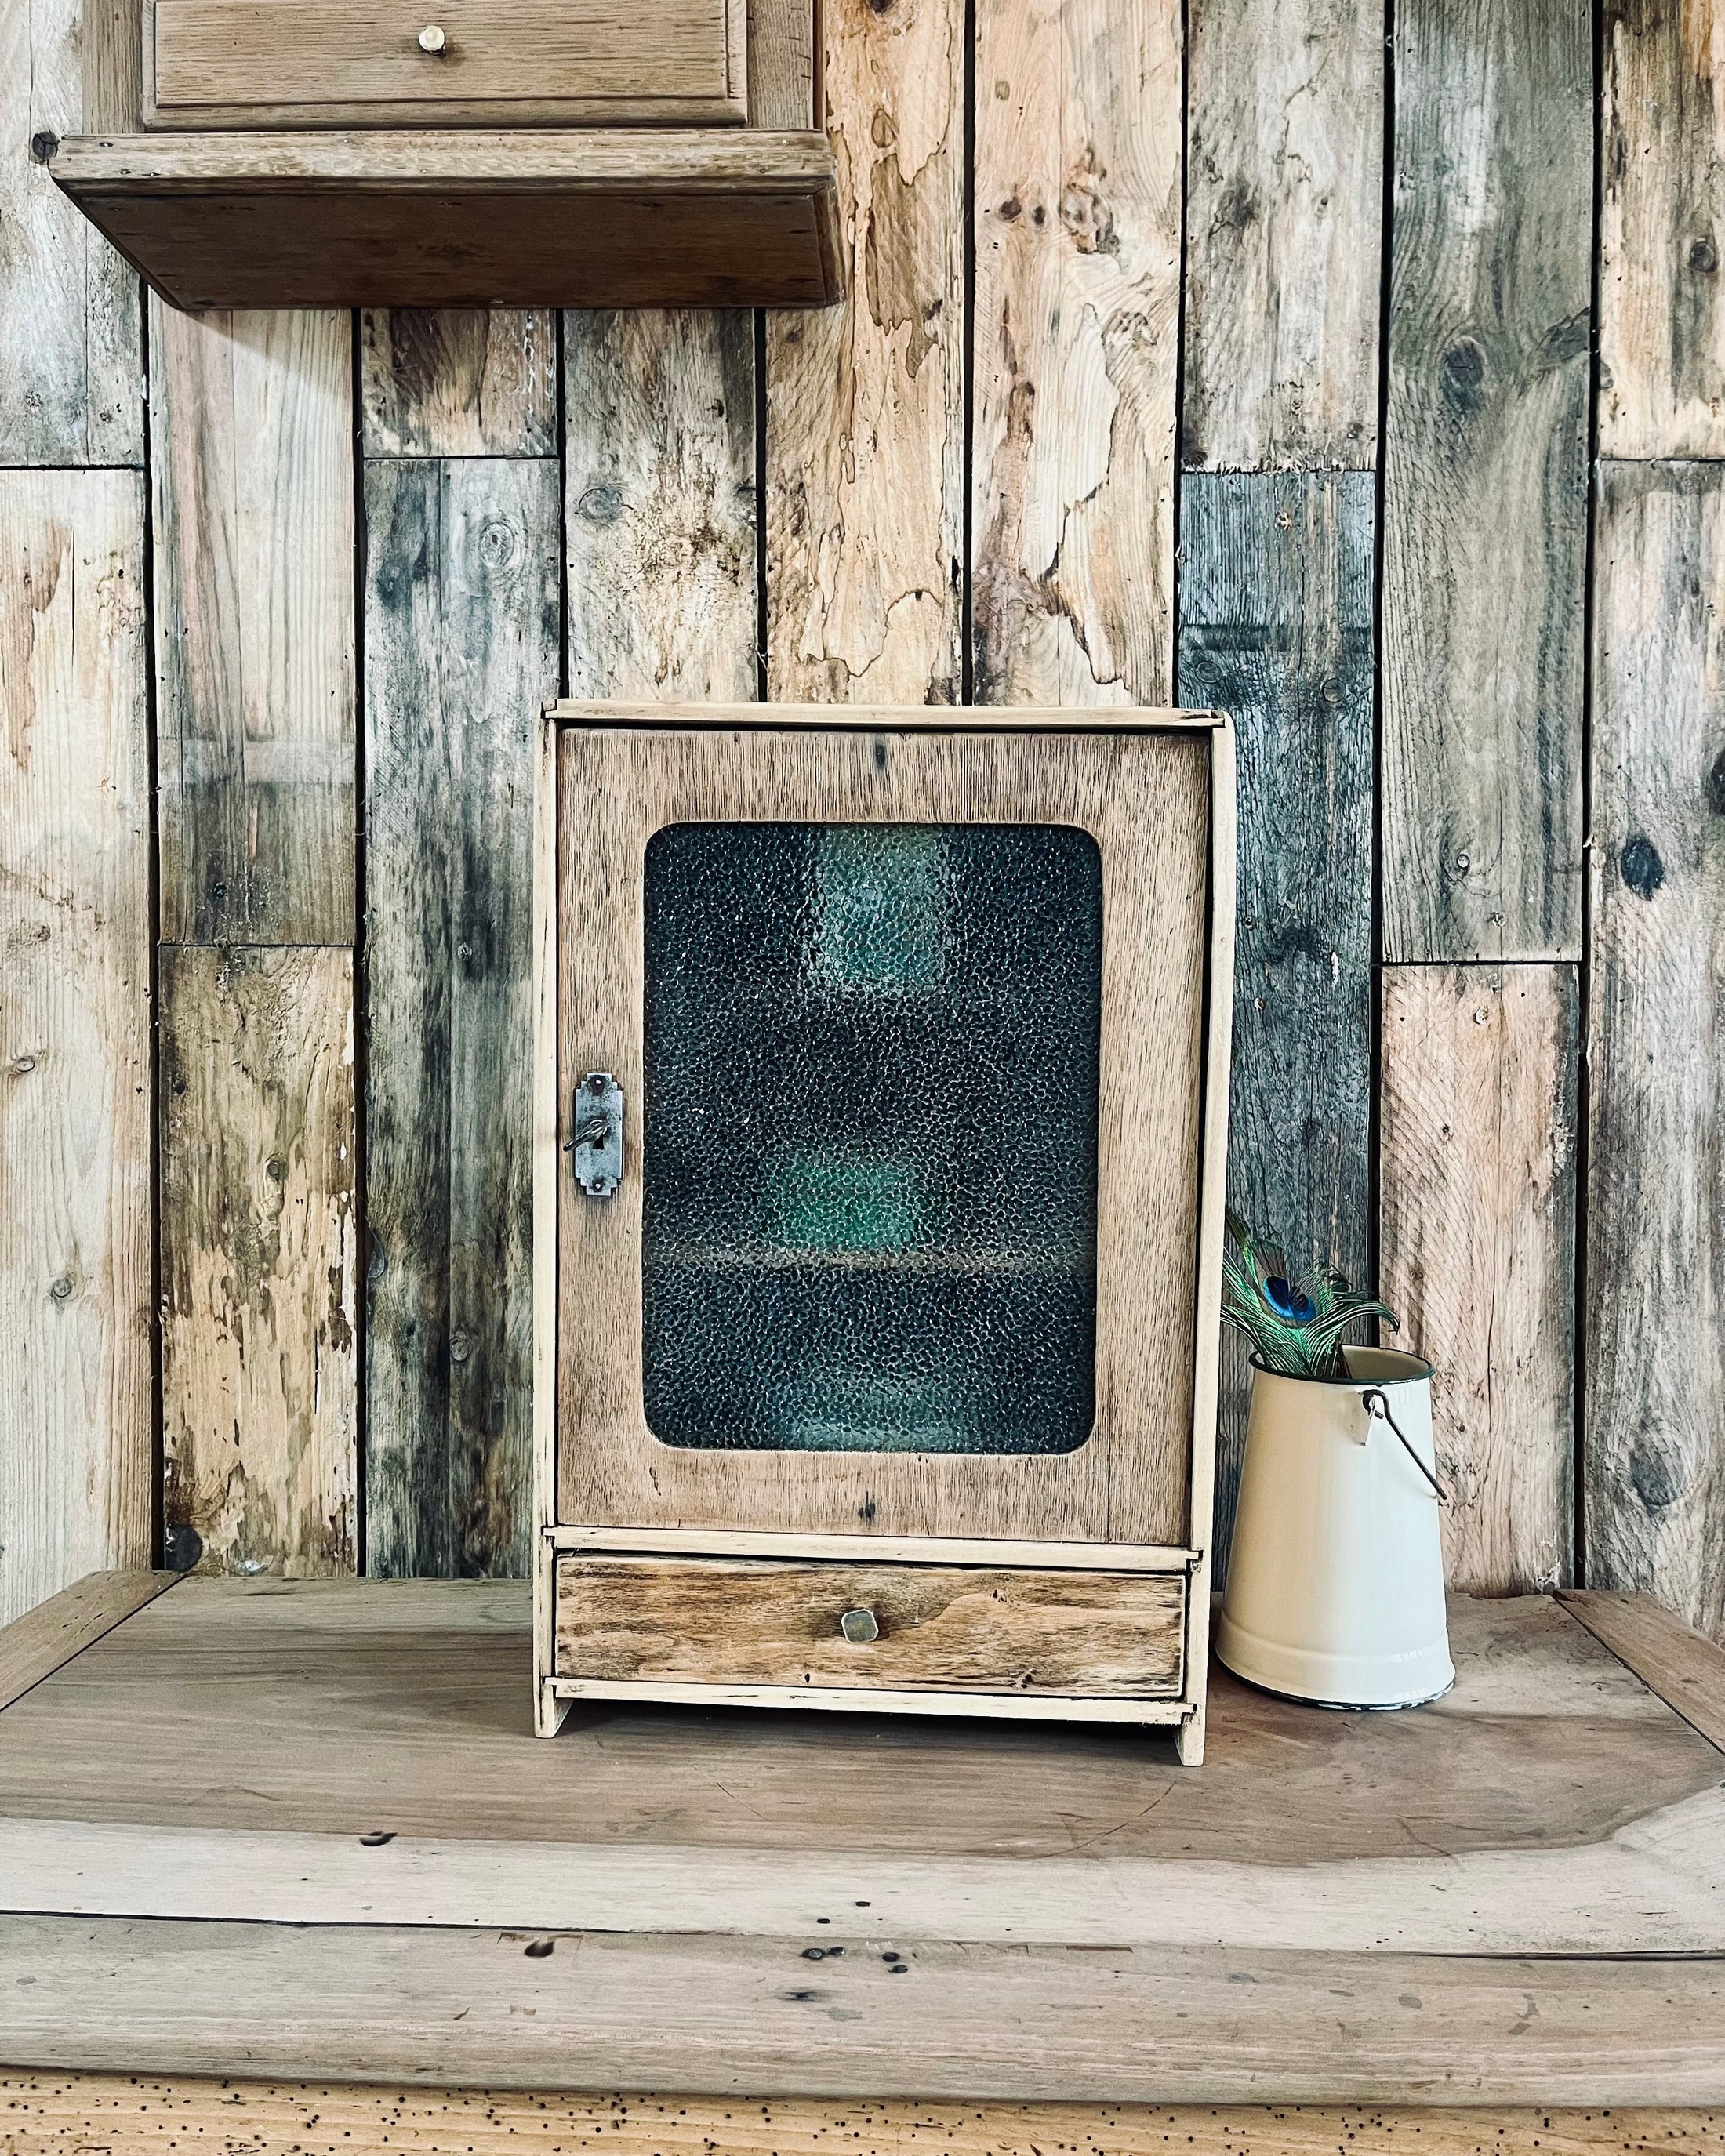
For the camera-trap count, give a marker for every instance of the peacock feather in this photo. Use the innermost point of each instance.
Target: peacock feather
(1296, 1328)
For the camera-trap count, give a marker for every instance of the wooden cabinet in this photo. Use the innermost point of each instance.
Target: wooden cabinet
(883, 1072)
(426, 153)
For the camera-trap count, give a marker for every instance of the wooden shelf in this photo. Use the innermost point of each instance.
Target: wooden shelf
(569, 217)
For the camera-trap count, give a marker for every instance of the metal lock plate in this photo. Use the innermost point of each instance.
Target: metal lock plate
(598, 1142)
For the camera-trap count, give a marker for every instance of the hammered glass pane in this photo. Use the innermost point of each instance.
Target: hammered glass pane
(870, 1135)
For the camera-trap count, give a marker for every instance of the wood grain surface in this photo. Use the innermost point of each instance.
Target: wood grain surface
(70, 2114)
(749, 1620)
(461, 640)
(76, 1359)
(1685, 1667)
(1477, 1244)
(938, 2018)
(35, 1645)
(660, 504)
(1661, 228)
(71, 356)
(1485, 494)
(459, 382)
(254, 524)
(1284, 216)
(1276, 627)
(1076, 176)
(1145, 797)
(259, 1260)
(864, 501)
(1656, 1229)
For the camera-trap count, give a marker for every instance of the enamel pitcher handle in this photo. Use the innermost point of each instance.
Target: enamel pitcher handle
(1376, 1404)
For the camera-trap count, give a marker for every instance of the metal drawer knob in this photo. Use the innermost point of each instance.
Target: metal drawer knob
(431, 38)
(859, 1627)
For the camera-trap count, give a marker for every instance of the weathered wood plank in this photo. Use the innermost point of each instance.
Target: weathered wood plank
(35, 1645)
(462, 382)
(76, 1344)
(252, 436)
(1662, 230)
(71, 358)
(865, 449)
(1076, 330)
(659, 514)
(1476, 1249)
(1655, 1239)
(1283, 234)
(1275, 628)
(258, 1259)
(425, 2005)
(461, 651)
(47, 2114)
(1682, 1666)
(1486, 510)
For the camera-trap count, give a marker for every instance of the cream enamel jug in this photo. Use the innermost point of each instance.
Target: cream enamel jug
(1336, 1583)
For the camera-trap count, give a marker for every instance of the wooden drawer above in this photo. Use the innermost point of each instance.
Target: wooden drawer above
(740, 1621)
(269, 63)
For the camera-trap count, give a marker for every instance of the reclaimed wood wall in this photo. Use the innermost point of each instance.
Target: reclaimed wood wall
(1359, 369)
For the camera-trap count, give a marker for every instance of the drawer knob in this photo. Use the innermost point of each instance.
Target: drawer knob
(431, 38)
(859, 1627)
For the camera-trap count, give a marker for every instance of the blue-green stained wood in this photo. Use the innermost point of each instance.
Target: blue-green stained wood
(460, 650)
(1276, 629)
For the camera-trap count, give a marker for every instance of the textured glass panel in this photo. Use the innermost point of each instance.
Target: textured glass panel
(870, 1135)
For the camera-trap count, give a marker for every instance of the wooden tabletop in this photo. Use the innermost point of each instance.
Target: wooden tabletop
(303, 1828)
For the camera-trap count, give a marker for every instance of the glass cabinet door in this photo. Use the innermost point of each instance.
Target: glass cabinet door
(906, 1029)
(869, 1136)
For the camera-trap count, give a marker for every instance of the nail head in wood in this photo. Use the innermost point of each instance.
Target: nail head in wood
(859, 1627)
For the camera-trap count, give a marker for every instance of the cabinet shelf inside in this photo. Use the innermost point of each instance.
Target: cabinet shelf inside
(563, 217)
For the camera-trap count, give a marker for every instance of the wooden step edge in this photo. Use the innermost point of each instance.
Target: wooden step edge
(1683, 1666)
(47, 1637)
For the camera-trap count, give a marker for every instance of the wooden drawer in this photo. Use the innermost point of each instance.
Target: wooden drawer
(260, 63)
(940, 1628)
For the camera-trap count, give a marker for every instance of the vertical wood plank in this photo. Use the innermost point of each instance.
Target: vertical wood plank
(1662, 229)
(1655, 1267)
(76, 1470)
(865, 449)
(260, 1375)
(459, 381)
(659, 409)
(1485, 517)
(1275, 628)
(1477, 1250)
(252, 432)
(1283, 234)
(1077, 312)
(461, 650)
(71, 351)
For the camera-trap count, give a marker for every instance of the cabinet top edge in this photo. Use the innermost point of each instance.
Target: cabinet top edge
(874, 718)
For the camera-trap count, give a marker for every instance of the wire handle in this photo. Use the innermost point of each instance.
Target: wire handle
(1377, 1406)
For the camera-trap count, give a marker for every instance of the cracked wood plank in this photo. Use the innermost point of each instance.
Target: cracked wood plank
(1485, 499)
(1477, 1235)
(459, 381)
(76, 1380)
(259, 1260)
(865, 451)
(461, 646)
(1662, 229)
(1275, 628)
(1283, 234)
(251, 434)
(660, 505)
(1656, 1257)
(71, 359)
(1078, 156)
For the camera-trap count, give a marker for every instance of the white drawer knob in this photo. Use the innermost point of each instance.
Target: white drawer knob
(431, 38)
